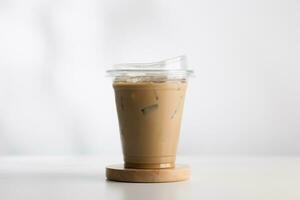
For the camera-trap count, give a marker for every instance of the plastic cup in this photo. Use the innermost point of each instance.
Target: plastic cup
(149, 99)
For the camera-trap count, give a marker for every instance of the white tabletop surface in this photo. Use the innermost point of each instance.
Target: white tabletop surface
(37, 178)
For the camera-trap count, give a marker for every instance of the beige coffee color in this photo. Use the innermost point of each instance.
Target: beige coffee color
(149, 116)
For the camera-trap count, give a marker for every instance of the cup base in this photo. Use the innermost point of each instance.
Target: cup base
(149, 166)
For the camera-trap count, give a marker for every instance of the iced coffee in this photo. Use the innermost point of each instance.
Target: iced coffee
(149, 106)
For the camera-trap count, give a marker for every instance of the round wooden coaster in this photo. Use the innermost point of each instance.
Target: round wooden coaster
(119, 173)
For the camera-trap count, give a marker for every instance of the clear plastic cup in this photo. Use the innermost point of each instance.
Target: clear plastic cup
(149, 99)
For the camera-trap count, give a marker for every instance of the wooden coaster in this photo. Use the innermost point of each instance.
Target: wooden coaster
(119, 173)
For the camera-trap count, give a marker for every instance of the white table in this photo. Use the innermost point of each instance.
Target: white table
(37, 178)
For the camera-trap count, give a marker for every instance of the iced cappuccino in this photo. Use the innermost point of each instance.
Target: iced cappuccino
(149, 100)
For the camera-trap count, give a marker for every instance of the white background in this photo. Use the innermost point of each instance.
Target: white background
(56, 100)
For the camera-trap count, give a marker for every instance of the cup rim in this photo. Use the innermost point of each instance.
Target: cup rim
(171, 66)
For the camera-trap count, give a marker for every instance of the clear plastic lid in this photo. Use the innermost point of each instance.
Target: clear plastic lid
(172, 68)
